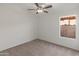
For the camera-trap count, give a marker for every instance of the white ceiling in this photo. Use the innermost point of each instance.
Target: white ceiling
(56, 6)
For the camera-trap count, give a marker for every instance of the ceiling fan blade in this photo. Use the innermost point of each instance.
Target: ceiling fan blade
(49, 6)
(36, 12)
(30, 9)
(45, 11)
(37, 4)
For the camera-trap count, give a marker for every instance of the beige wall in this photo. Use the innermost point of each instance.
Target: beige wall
(49, 25)
(17, 26)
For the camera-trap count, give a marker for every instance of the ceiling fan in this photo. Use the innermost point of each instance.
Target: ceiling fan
(41, 8)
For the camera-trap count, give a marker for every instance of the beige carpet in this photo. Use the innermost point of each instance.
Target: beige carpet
(40, 48)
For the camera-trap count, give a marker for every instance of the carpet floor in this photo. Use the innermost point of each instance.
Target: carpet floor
(39, 48)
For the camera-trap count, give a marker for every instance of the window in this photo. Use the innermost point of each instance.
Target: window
(68, 26)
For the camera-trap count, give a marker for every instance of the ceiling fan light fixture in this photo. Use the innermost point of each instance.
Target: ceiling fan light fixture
(39, 11)
(41, 8)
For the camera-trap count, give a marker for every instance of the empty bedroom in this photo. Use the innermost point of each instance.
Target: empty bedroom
(39, 29)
